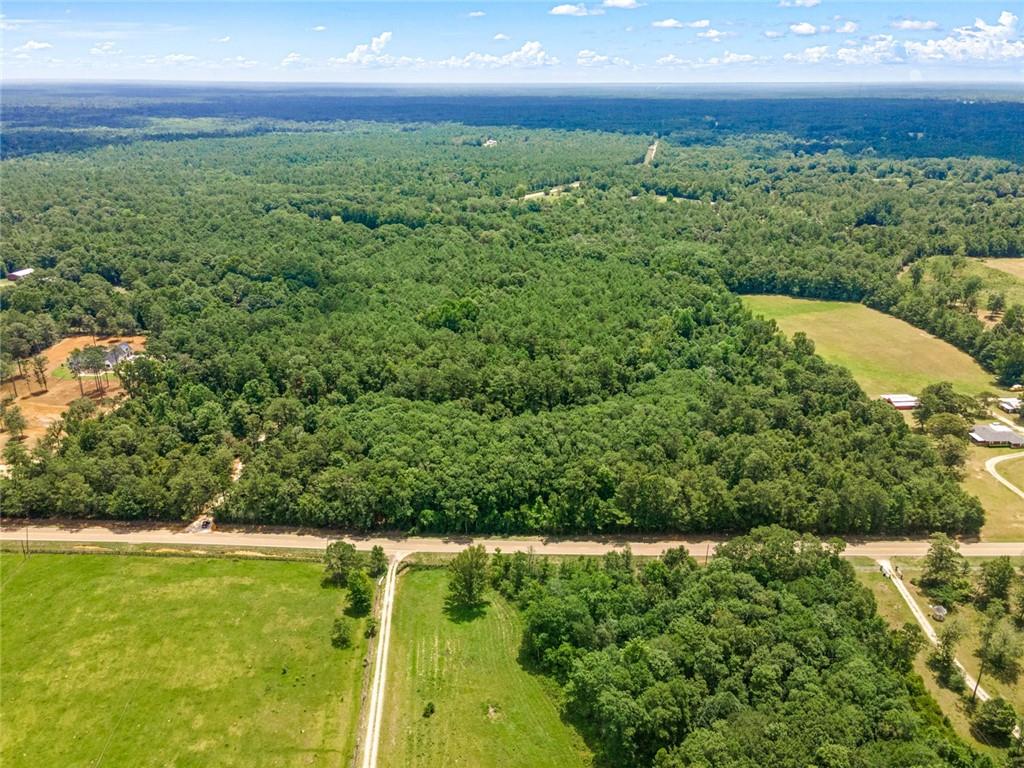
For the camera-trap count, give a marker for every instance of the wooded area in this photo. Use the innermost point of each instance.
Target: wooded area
(389, 337)
(773, 654)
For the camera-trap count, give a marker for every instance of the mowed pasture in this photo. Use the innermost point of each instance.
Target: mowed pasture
(883, 353)
(1005, 276)
(488, 710)
(129, 661)
(1013, 470)
(1004, 510)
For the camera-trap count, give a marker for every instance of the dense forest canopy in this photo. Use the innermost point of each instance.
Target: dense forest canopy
(376, 320)
(772, 655)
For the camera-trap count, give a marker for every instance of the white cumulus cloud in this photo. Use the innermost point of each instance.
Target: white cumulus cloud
(293, 59)
(372, 54)
(502, 36)
(798, 3)
(912, 25)
(531, 54)
(711, 34)
(577, 9)
(106, 48)
(727, 59)
(319, 28)
(677, 24)
(225, 39)
(476, 14)
(588, 58)
(33, 45)
(241, 62)
(811, 55)
(880, 49)
(983, 42)
(803, 28)
(627, 4)
(178, 58)
(773, 34)
(847, 28)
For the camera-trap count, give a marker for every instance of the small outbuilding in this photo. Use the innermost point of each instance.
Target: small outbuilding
(939, 612)
(19, 274)
(996, 435)
(901, 402)
(1009, 404)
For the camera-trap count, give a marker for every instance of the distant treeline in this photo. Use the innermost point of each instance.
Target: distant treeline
(36, 119)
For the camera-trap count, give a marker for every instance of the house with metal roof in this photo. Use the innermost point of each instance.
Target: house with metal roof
(996, 435)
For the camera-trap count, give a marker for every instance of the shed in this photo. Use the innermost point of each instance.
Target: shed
(997, 435)
(939, 612)
(19, 274)
(901, 402)
(1009, 404)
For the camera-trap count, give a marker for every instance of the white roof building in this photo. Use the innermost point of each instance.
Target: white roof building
(901, 402)
(1010, 404)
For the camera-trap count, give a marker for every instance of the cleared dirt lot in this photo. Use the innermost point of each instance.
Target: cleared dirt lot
(43, 407)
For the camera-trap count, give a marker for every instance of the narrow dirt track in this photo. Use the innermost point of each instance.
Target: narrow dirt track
(651, 152)
(85, 533)
(380, 671)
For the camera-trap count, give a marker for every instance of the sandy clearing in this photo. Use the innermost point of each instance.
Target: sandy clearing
(553, 192)
(42, 408)
(651, 152)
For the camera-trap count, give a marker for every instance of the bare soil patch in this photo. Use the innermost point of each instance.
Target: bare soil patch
(42, 408)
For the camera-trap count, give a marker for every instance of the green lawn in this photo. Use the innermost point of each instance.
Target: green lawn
(1014, 472)
(883, 353)
(489, 710)
(1004, 510)
(166, 661)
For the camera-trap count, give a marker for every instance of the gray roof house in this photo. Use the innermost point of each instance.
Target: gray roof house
(118, 354)
(997, 435)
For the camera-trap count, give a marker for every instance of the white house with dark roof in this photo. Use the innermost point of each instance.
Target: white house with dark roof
(119, 353)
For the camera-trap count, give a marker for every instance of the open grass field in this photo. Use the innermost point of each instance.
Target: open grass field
(489, 710)
(168, 661)
(1014, 472)
(883, 353)
(1005, 276)
(1004, 510)
(1012, 267)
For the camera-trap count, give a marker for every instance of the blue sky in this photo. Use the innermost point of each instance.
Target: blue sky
(602, 41)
